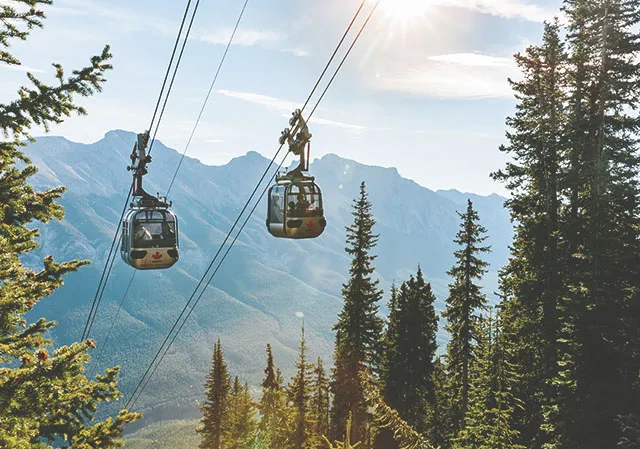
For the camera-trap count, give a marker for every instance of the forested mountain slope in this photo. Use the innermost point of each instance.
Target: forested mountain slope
(264, 281)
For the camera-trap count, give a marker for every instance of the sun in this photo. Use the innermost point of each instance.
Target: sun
(404, 10)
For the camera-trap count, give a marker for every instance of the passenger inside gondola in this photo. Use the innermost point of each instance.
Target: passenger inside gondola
(276, 209)
(153, 229)
(171, 232)
(142, 233)
(299, 206)
(303, 204)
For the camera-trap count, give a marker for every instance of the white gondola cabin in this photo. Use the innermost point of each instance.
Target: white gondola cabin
(149, 229)
(295, 210)
(149, 238)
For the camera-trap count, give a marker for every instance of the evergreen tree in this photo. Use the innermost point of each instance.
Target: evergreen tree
(384, 437)
(299, 396)
(439, 419)
(572, 283)
(240, 425)
(411, 340)
(630, 430)
(346, 444)
(269, 372)
(359, 329)
(532, 280)
(44, 395)
(215, 408)
(279, 379)
(274, 414)
(386, 418)
(491, 406)
(390, 334)
(599, 359)
(320, 402)
(465, 298)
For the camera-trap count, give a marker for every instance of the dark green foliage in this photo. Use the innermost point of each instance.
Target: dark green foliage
(532, 280)
(320, 401)
(630, 430)
(439, 419)
(601, 364)
(359, 329)
(269, 372)
(44, 394)
(572, 284)
(411, 347)
(215, 410)
(491, 404)
(465, 299)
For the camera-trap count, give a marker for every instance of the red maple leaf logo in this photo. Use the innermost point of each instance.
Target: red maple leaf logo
(310, 224)
(156, 256)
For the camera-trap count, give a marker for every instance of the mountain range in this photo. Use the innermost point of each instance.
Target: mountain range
(265, 288)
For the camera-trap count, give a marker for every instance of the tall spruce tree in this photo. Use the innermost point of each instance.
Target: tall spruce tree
(274, 414)
(573, 280)
(465, 299)
(299, 396)
(320, 402)
(411, 347)
(604, 210)
(384, 437)
(215, 409)
(269, 380)
(44, 395)
(488, 424)
(532, 281)
(440, 427)
(359, 328)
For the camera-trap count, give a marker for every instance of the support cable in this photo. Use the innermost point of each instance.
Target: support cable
(111, 256)
(162, 352)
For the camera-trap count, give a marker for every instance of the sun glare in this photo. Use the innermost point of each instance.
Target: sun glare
(404, 10)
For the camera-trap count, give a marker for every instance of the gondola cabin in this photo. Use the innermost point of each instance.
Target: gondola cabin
(295, 210)
(149, 238)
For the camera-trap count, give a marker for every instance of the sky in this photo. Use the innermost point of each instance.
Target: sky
(425, 89)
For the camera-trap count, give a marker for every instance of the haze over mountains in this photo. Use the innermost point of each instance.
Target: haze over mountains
(257, 294)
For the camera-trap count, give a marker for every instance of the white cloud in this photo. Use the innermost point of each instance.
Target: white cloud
(285, 107)
(21, 68)
(473, 60)
(68, 11)
(297, 51)
(91, 7)
(261, 100)
(130, 20)
(509, 9)
(457, 75)
(321, 121)
(244, 37)
(214, 141)
(114, 17)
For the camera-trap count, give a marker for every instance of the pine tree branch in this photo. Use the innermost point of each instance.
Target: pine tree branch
(387, 417)
(43, 104)
(11, 20)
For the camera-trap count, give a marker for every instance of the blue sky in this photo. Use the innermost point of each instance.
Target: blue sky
(425, 90)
